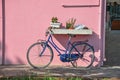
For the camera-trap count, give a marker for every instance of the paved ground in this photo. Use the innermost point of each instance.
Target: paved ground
(22, 70)
(112, 48)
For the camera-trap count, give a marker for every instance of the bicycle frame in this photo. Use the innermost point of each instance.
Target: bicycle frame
(59, 50)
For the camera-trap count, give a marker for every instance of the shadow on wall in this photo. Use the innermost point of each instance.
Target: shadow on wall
(8, 61)
(19, 60)
(16, 57)
(0, 53)
(92, 40)
(1, 56)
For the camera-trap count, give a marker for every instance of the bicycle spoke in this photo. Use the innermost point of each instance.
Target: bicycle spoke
(85, 60)
(34, 58)
(86, 54)
(85, 50)
(74, 63)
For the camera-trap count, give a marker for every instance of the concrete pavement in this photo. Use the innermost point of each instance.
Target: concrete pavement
(24, 70)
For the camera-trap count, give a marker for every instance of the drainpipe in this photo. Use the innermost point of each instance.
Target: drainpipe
(3, 32)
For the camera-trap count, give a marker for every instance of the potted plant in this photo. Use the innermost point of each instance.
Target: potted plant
(54, 23)
(70, 23)
(54, 19)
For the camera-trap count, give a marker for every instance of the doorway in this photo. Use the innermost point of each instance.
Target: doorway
(112, 33)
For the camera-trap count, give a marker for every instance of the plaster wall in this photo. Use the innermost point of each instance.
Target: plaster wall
(27, 21)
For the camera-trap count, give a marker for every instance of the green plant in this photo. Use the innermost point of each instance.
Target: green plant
(75, 78)
(54, 20)
(70, 23)
(49, 78)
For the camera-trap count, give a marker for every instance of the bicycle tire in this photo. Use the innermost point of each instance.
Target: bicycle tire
(33, 55)
(86, 52)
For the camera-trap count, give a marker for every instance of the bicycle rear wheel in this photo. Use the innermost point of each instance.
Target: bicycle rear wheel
(86, 55)
(34, 58)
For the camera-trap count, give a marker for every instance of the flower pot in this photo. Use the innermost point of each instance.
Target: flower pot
(55, 25)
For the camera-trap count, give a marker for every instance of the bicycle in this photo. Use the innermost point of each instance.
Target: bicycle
(40, 54)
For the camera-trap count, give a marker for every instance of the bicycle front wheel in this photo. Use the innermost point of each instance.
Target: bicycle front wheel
(34, 57)
(86, 55)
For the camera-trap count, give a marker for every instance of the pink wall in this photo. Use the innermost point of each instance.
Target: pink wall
(0, 31)
(27, 21)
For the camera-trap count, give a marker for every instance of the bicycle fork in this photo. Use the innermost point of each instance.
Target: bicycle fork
(44, 45)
